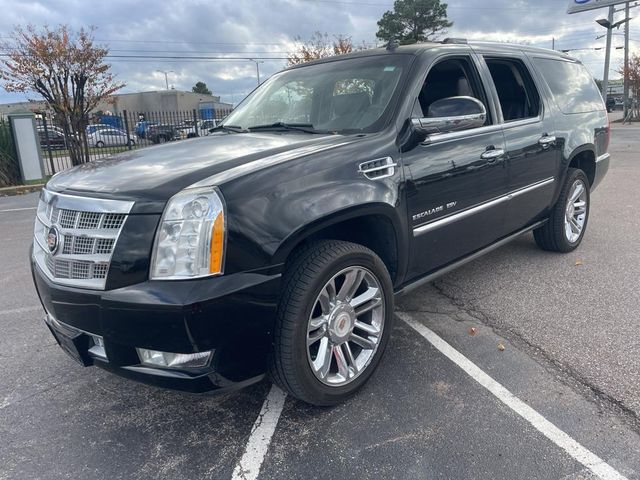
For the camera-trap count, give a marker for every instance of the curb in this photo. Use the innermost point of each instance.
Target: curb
(20, 189)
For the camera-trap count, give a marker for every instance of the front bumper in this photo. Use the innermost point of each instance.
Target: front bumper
(231, 315)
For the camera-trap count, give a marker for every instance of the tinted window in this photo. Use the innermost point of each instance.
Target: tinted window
(453, 77)
(573, 88)
(517, 93)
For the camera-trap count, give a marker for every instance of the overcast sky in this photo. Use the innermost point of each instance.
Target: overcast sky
(268, 28)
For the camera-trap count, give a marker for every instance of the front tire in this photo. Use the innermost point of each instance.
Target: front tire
(568, 219)
(333, 323)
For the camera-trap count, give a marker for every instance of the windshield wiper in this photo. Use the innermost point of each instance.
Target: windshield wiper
(229, 128)
(300, 127)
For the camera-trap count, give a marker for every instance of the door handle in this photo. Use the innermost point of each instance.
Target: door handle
(547, 141)
(492, 155)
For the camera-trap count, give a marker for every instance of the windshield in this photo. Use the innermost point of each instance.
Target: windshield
(352, 95)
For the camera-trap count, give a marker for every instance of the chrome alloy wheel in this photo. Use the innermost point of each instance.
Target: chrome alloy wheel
(345, 326)
(576, 211)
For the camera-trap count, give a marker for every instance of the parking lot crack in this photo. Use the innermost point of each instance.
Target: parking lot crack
(569, 375)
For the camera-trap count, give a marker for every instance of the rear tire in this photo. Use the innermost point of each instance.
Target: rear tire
(567, 222)
(326, 346)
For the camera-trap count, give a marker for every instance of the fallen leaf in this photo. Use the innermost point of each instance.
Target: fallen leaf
(501, 347)
(472, 331)
(578, 263)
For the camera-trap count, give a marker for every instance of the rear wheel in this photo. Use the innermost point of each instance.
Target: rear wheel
(568, 219)
(334, 321)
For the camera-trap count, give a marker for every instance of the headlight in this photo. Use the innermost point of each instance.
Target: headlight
(191, 236)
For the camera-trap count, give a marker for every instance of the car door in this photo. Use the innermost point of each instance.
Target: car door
(533, 152)
(454, 180)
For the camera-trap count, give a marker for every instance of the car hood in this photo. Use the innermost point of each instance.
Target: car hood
(150, 176)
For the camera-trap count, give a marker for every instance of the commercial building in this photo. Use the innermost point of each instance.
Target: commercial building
(165, 101)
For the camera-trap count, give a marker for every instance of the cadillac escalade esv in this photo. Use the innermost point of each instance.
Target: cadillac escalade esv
(276, 244)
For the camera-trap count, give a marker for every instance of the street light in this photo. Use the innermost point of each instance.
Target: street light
(257, 62)
(166, 78)
(609, 25)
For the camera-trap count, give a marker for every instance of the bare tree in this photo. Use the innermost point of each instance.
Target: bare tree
(632, 74)
(67, 69)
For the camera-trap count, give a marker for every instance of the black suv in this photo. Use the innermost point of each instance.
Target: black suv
(276, 244)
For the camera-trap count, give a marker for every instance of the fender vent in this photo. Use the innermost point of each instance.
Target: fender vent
(378, 169)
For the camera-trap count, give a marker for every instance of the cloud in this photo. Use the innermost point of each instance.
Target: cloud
(268, 28)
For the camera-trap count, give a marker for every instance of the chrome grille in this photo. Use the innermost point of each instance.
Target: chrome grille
(87, 229)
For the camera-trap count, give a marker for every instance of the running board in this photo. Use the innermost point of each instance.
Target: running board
(452, 266)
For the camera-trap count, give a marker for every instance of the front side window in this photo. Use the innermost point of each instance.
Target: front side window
(517, 93)
(351, 95)
(454, 77)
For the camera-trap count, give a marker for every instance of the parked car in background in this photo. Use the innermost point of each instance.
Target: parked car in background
(188, 129)
(101, 126)
(162, 133)
(611, 104)
(56, 138)
(109, 138)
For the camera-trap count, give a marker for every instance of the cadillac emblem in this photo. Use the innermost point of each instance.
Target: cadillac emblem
(53, 239)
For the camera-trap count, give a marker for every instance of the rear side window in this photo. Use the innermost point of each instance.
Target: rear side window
(517, 93)
(573, 88)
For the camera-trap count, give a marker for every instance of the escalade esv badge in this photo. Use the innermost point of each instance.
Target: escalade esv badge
(53, 241)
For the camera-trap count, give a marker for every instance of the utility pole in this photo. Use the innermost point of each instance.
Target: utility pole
(607, 58)
(166, 76)
(553, 43)
(625, 79)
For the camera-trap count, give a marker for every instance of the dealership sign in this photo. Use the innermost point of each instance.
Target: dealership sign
(582, 5)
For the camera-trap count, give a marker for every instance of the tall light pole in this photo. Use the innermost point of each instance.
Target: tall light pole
(625, 78)
(257, 62)
(166, 77)
(609, 25)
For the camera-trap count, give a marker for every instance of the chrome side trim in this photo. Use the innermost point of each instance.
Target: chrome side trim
(444, 137)
(85, 204)
(603, 157)
(452, 266)
(429, 227)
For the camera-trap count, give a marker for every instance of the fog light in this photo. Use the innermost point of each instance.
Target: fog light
(97, 349)
(154, 358)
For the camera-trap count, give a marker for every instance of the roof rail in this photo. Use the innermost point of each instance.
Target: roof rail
(456, 41)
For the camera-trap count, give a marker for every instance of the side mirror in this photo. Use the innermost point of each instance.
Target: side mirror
(453, 114)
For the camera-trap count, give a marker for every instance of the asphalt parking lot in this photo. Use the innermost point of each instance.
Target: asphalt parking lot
(539, 378)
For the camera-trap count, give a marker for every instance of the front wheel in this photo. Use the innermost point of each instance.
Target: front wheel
(334, 321)
(99, 144)
(568, 219)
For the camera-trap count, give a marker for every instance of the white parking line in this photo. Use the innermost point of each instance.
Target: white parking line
(18, 209)
(587, 458)
(263, 429)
